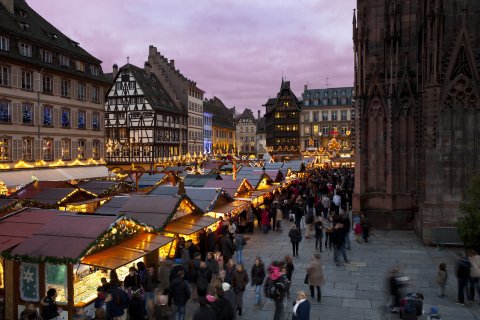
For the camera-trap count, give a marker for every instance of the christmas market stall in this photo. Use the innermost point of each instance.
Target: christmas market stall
(106, 188)
(173, 215)
(236, 188)
(7, 205)
(53, 195)
(113, 206)
(147, 181)
(255, 176)
(198, 180)
(52, 254)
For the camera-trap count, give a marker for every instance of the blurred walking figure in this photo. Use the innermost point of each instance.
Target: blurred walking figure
(257, 276)
(318, 234)
(295, 237)
(474, 260)
(395, 284)
(239, 283)
(315, 276)
(442, 278)
(462, 270)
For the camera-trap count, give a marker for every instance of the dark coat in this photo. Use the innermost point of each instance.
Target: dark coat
(303, 311)
(226, 247)
(116, 306)
(132, 282)
(136, 309)
(204, 313)
(179, 292)
(204, 277)
(240, 280)
(211, 241)
(295, 235)
(212, 265)
(257, 274)
(162, 312)
(223, 309)
(49, 308)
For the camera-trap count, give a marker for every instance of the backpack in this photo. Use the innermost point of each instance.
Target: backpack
(270, 289)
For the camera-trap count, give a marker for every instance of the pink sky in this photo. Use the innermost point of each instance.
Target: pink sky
(236, 50)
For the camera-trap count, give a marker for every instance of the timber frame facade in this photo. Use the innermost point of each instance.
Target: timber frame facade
(142, 123)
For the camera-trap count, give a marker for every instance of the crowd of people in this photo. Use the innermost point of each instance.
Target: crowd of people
(212, 270)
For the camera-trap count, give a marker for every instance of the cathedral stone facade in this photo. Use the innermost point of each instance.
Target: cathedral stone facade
(417, 107)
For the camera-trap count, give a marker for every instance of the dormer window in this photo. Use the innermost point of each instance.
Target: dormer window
(22, 13)
(52, 35)
(80, 65)
(46, 55)
(24, 25)
(4, 44)
(75, 44)
(64, 61)
(94, 71)
(25, 49)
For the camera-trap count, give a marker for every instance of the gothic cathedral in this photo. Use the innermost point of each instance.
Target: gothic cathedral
(417, 107)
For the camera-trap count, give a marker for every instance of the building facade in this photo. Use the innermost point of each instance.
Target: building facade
(223, 127)
(282, 123)
(326, 122)
(261, 136)
(246, 133)
(183, 90)
(207, 132)
(417, 110)
(51, 94)
(143, 124)
(195, 119)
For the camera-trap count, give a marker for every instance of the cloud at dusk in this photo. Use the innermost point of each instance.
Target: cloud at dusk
(235, 50)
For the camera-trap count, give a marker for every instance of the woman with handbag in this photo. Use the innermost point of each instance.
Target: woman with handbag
(315, 277)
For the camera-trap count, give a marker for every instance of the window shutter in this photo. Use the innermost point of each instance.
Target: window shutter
(36, 115)
(89, 120)
(101, 95)
(88, 153)
(36, 149)
(14, 155)
(56, 86)
(15, 112)
(56, 150)
(74, 120)
(74, 94)
(15, 77)
(88, 90)
(102, 148)
(74, 149)
(56, 118)
(36, 82)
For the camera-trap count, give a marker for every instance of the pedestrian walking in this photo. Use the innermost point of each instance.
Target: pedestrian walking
(239, 241)
(222, 307)
(326, 205)
(211, 241)
(179, 294)
(162, 309)
(315, 278)
(226, 248)
(204, 277)
(301, 308)
(289, 268)
(309, 220)
(295, 238)
(257, 275)
(395, 284)
(474, 260)
(265, 220)
(212, 263)
(50, 310)
(347, 226)
(279, 218)
(230, 294)
(338, 240)
(318, 227)
(275, 288)
(442, 278)
(412, 306)
(366, 225)
(298, 211)
(240, 282)
(337, 201)
(462, 271)
(358, 231)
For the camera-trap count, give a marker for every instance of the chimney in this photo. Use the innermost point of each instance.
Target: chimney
(258, 114)
(305, 87)
(8, 4)
(148, 68)
(114, 68)
(172, 63)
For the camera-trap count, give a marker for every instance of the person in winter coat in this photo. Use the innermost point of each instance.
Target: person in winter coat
(301, 308)
(474, 260)
(280, 282)
(50, 309)
(295, 237)
(202, 244)
(226, 248)
(204, 311)
(164, 268)
(318, 234)
(315, 276)
(462, 270)
(132, 280)
(366, 225)
(265, 220)
(239, 242)
(325, 205)
(211, 241)
(442, 278)
(412, 307)
(229, 294)
(162, 310)
(179, 294)
(222, 307)
(204, 276)
(257, 275)
(289, 268)
(299, 212)
(229, 270)
(212, 263)
(338, 239)
(136, 309)
(239, 283)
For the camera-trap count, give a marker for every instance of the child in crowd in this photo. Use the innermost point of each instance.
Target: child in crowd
(442, 278)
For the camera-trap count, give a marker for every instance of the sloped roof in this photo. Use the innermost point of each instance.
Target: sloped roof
(98, 187)
(247, 114)
(149, 180)
(51, 192)
(198, 180)
(222, 117)
(58, 239)
(153, 90)
(284, 90)
(228, 184)
(46, 35)
(113, 206)
(318, 95)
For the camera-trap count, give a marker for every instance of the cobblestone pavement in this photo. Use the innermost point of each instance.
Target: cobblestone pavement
(356, 290)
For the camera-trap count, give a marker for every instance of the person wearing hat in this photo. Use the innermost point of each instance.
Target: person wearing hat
(222, 306)
(204, 311)
(229, 294)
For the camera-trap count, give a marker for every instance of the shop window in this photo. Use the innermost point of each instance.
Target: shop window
(81, 149)
(27, 112)
(27, 149)
(96, 150)
(95, 121)
(56, 278)
(65, 118)
(5, 116)
(82, 119)
(4, 152)
(47, 149)
(29, 284)
(65, 150)
(47, 116)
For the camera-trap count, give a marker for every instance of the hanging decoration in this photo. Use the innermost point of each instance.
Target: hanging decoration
(3, 189)
(29, 286)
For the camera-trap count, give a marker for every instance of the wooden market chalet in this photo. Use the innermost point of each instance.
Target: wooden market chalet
(143, 123)
(282, 124)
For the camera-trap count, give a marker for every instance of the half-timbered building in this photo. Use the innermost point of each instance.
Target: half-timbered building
(142, 122)
(282, 124)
